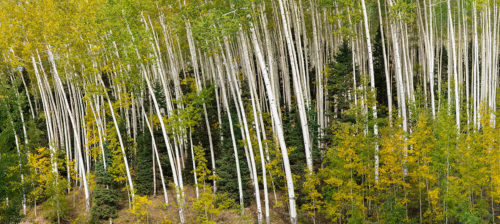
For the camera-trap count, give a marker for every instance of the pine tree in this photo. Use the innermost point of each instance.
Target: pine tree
(10, 170)
(380, 77)
(10, 202)
(106, 195)
(144, 166)
(293, 138)
(339, 81)
(225, 165)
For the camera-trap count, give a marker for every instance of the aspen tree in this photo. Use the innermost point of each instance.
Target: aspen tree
(279, 127)
(372, 82)
(194, 61)
(430, 53)
(157, 156)
(247, 132)
(263, 59)
(230, 120)
(455, 72)
(296, 82)
(20, 163)
(75, 132)
(174, 167)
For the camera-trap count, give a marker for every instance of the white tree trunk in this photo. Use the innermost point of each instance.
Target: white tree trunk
(279, 127)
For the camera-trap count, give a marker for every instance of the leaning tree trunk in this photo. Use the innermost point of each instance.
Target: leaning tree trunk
(231, 128)
(296, 83)
(279, 127)
(157, 156)
(60, 88)
(169, 150)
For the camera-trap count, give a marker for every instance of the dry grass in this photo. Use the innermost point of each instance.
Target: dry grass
(159, 212)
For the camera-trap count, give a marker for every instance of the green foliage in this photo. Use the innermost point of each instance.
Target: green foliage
(204, 174)
(213, 20)
(50, 187)
(105, 196)
(56, 206)
(277, 174)
(345, 16)
(144, 165)
(340, 80)
(344, 173)
(313, 200)
(403, 10)
(117, 168)
(10, 170)
(226, 164)
(393, 212)
(182, 119)
(121, 21)
(294, 139)
(380, 76)
(10, 204)
(208, 204)
(429, 174)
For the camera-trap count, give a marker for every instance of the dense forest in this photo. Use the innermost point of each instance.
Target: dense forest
(249, 111)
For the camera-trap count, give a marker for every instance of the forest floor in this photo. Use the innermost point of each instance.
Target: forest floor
(158, 213)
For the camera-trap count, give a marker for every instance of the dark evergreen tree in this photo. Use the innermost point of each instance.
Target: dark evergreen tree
(200, 132)
(293, 138)
(144, 165)
(312, 118)
(106, 195)
(295, 141)
(11, 199)
(444, 73)
(11, 189)
(380, 79)
(340, 81)
(160, 96)
(226, 168)
(158, 135)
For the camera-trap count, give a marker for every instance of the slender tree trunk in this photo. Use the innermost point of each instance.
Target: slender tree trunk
(279, 128)
(157, 156)
(372, 83)
(122, 146)
(455, 73)
(173, 165)
(297, 84)
(60, 88)
(233, 139)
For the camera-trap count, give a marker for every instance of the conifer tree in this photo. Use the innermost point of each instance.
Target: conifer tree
(10, 202)
(339, 81)
(225, 166)
(296, 77)
(10, 156)
(379, 70)
(106, 195)
(144, 164)
(293, 138)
